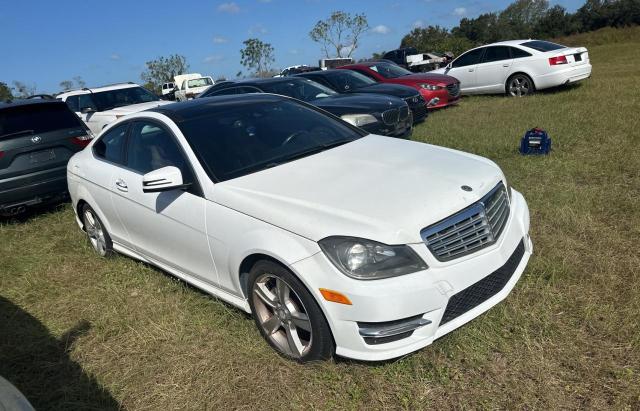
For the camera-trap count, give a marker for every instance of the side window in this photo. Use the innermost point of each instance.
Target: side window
(110, 147)
(225, 92)
(366, 73)
(470, 58)
(496, 53)
(72, 102)
(85, 101)
(152, 147)
(518, 53)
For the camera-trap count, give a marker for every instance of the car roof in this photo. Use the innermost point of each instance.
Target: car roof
(27, 102)
(508, 43)
(108, 87)
(185, 110)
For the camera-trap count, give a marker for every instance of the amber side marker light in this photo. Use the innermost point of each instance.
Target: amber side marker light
(335, 297)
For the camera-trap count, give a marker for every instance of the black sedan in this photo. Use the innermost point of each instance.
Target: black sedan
(377, 114)
(348, 81)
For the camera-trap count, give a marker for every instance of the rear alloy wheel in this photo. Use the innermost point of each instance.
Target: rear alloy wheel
(519, 85)
(287, 315)
(97, 234)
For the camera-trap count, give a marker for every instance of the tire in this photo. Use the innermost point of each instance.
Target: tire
(297, 329)
(97, 234)
(519, 85)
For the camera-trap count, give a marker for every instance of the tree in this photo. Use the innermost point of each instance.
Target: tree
(163, 70)
(339, 34)
(66, 85)
(435, 38)
(519, 19)
(24, 90)
(5, 92)
(257, 56)
(69, 84)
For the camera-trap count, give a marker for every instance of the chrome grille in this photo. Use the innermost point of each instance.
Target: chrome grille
(471, 229)
(404, 113)
(454, 89)
(390, 117)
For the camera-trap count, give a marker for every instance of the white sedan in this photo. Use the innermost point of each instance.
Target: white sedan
(518, 67)
(338, 242)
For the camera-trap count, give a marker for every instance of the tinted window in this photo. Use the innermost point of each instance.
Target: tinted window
(110, 147)
(468, 59)
(223, 92)
(152, 147)
(106, 100)
(364, 73)
(73, 103)
(387, 70)
(542, 45)
(37, 119)
(345, 80)
(200, 82)
(241, 137)
(302, 89)
(496, 53)
(518, 53)
(85, 101)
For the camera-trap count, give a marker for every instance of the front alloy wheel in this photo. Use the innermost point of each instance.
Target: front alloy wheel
(520, 85)
(287, 315)
(97, 234)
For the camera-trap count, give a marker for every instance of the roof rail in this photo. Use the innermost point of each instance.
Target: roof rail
(42, 96)
(114, 84)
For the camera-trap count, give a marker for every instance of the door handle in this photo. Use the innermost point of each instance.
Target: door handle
(121, 185)
(506, 65)
(470, 70)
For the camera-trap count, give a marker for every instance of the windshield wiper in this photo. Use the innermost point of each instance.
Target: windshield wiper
(17, 133)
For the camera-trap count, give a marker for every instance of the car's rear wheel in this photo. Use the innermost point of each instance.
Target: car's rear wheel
(520, 85)
(287, 315)
(96, 232)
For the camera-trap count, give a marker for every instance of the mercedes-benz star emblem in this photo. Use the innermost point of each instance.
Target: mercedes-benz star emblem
(36, 139)
(466, 188)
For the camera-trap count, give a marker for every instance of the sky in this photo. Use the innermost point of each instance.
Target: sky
(47, 41)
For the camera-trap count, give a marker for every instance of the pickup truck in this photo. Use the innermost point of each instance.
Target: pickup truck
(190, 87)
(410, 59)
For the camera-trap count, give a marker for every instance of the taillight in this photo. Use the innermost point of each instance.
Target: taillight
(82, 141)
(554, 61)
(1, 154)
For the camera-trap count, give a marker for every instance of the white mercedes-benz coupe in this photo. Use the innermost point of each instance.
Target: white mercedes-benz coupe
(337, 242)
(518, 67)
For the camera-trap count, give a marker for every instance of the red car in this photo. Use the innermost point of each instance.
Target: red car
(443, 87)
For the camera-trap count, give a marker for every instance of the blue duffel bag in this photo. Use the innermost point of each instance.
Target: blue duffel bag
(535, 141)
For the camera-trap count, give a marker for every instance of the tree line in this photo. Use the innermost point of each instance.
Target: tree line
(524, 19)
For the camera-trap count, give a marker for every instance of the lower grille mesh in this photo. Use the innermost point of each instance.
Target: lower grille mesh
(484, 289)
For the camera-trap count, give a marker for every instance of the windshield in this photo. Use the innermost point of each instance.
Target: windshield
(242, 137)
(106, 100)
(302, 89)
(543, 46)
(387, 70)
(345, 80)
(37, 119)
(200, 82)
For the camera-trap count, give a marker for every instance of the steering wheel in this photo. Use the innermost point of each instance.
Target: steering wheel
(293, 136)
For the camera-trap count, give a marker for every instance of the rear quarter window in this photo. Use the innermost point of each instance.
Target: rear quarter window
(542, 46)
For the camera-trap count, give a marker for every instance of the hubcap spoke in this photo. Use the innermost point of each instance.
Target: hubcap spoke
(272, 325)
(282, 291)
(301, 320)
(295, 345)
(265, 295)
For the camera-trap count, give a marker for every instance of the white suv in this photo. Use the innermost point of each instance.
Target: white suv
(99, 106)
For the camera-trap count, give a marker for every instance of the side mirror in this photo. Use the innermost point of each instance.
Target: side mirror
(87, 110)
(163, 179)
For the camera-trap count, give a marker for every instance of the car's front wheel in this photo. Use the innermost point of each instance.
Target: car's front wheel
(520, 85)
(287, 315)
(96, 232)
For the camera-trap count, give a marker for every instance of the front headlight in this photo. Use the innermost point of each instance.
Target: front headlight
(431, 87)
(359, 120)
(369, 260)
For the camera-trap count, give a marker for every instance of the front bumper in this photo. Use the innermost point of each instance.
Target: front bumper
(446, 99)
(423, 295)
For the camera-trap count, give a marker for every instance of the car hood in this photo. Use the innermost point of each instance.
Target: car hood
(379, 188)
(396, 90)
(134, 108)
(357, 103)
(430, 78)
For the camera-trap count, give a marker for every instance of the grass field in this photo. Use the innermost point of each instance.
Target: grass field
(79, 332)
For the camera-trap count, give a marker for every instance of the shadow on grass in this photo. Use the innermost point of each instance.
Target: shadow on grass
(38, 364)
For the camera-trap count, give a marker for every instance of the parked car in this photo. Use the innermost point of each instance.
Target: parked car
(378, 114)
(347, 81)
(409, 58)
(191, 87)
(99, 106)
(37, 138)
(338, 241)
(290, 71)
(445, 89)
(518, 67)
(169, 91)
